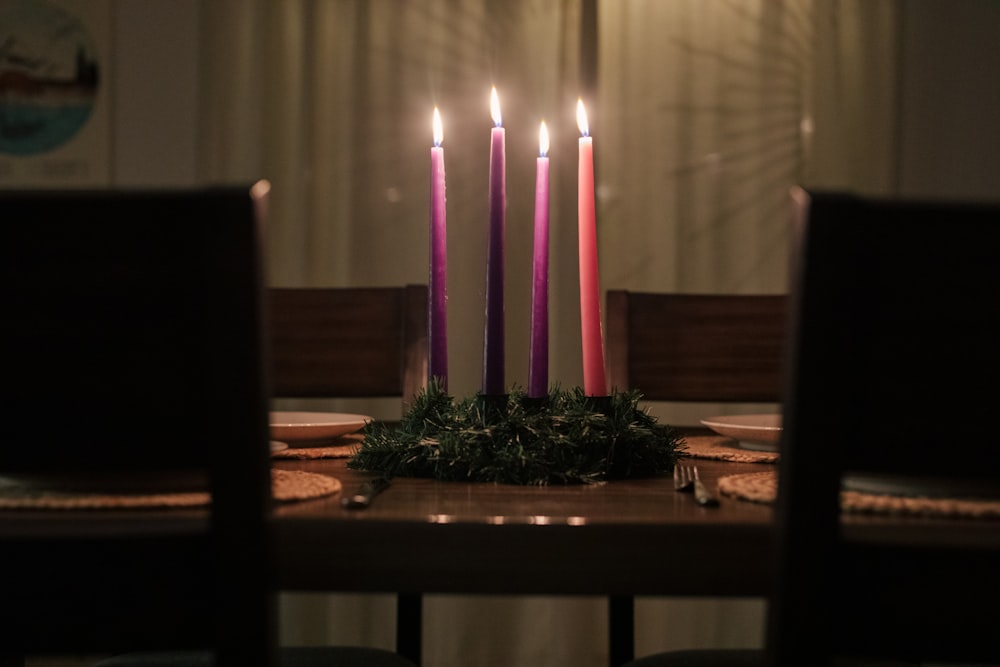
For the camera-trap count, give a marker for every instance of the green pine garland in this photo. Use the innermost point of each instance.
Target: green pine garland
(564, 438)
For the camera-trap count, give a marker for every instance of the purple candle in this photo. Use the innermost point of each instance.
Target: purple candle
(493, 345)
(538, 354)
(437, 284)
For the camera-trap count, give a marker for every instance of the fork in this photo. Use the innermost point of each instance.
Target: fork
(686, 479)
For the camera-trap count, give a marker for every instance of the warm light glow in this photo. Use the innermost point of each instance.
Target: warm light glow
(259, 196)
(543, 139)
(495, 107)
(581, 119)
(260, 189)
(438, 129)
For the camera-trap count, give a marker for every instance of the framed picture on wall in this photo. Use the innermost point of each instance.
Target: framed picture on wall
(55, 93)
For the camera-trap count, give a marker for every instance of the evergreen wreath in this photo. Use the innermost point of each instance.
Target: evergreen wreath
(565, 437)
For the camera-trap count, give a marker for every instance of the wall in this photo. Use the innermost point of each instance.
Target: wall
(950, 121)
(155, 67)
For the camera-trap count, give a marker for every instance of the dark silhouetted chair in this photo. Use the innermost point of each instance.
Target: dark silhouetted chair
(892, 358)
(133, 356)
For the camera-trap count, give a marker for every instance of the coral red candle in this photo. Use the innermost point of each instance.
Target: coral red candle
(437, 283)
(493, 344)
(594, 381)
(538, 353)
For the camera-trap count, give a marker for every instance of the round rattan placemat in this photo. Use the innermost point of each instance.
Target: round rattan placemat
(762, 487)
(340, 448)
(722, 448)
(286, 486)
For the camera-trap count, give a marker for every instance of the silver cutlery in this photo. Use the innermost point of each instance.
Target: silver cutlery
(362, 498)
(686, 479)
(682, 478)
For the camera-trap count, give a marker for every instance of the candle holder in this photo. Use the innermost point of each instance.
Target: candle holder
(600, 404)
(534, 405)
(563, 438)
(493, 407)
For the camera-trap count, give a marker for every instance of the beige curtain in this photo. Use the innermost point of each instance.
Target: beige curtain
(704, 113)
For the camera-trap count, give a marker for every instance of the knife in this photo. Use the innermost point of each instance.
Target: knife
(362, 498)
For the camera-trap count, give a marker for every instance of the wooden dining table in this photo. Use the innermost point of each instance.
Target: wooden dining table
(631, 537)
(634, 536)
(622, 537)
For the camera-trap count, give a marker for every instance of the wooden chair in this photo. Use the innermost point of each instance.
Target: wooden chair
(691, 348)
(133, 355)
(353, 343)
(892, 355)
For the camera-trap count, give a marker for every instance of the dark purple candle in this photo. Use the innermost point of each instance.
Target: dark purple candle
(493, 344)
(538, 354)
(437, 282)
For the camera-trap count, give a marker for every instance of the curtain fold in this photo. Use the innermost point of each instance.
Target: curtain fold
(704, 113)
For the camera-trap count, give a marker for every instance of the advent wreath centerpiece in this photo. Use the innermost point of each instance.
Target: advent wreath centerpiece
(565, 437)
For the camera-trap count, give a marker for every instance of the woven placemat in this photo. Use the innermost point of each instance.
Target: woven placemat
(722, 448)
(286, 486)
(762, 487)
(341, 448)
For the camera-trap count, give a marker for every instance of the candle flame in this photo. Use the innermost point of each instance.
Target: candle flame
(495, 106)
(438, 129)
(581, 119)
(543, 139)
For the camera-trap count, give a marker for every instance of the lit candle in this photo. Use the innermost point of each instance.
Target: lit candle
(594, 382)
(538, 355)
(437, 284)
(493, 345)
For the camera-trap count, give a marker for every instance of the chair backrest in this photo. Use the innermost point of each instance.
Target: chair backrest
(348, 342)
(132, 349)
(893, 363)
(723, 348)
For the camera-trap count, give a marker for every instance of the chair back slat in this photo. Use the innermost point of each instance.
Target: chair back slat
(348, 342)
(697, 347)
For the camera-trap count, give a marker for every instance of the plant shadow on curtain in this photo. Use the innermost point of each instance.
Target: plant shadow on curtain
(704, 114)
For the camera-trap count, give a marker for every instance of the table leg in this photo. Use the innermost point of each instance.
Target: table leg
(409, 626)
(621, 629)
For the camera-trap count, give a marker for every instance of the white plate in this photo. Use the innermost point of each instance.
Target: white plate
(297, 428)
(757, 432)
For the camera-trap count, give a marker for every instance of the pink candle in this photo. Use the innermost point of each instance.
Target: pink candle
(437, 284)
(493, 345)
(538, 354)
(594, 382)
